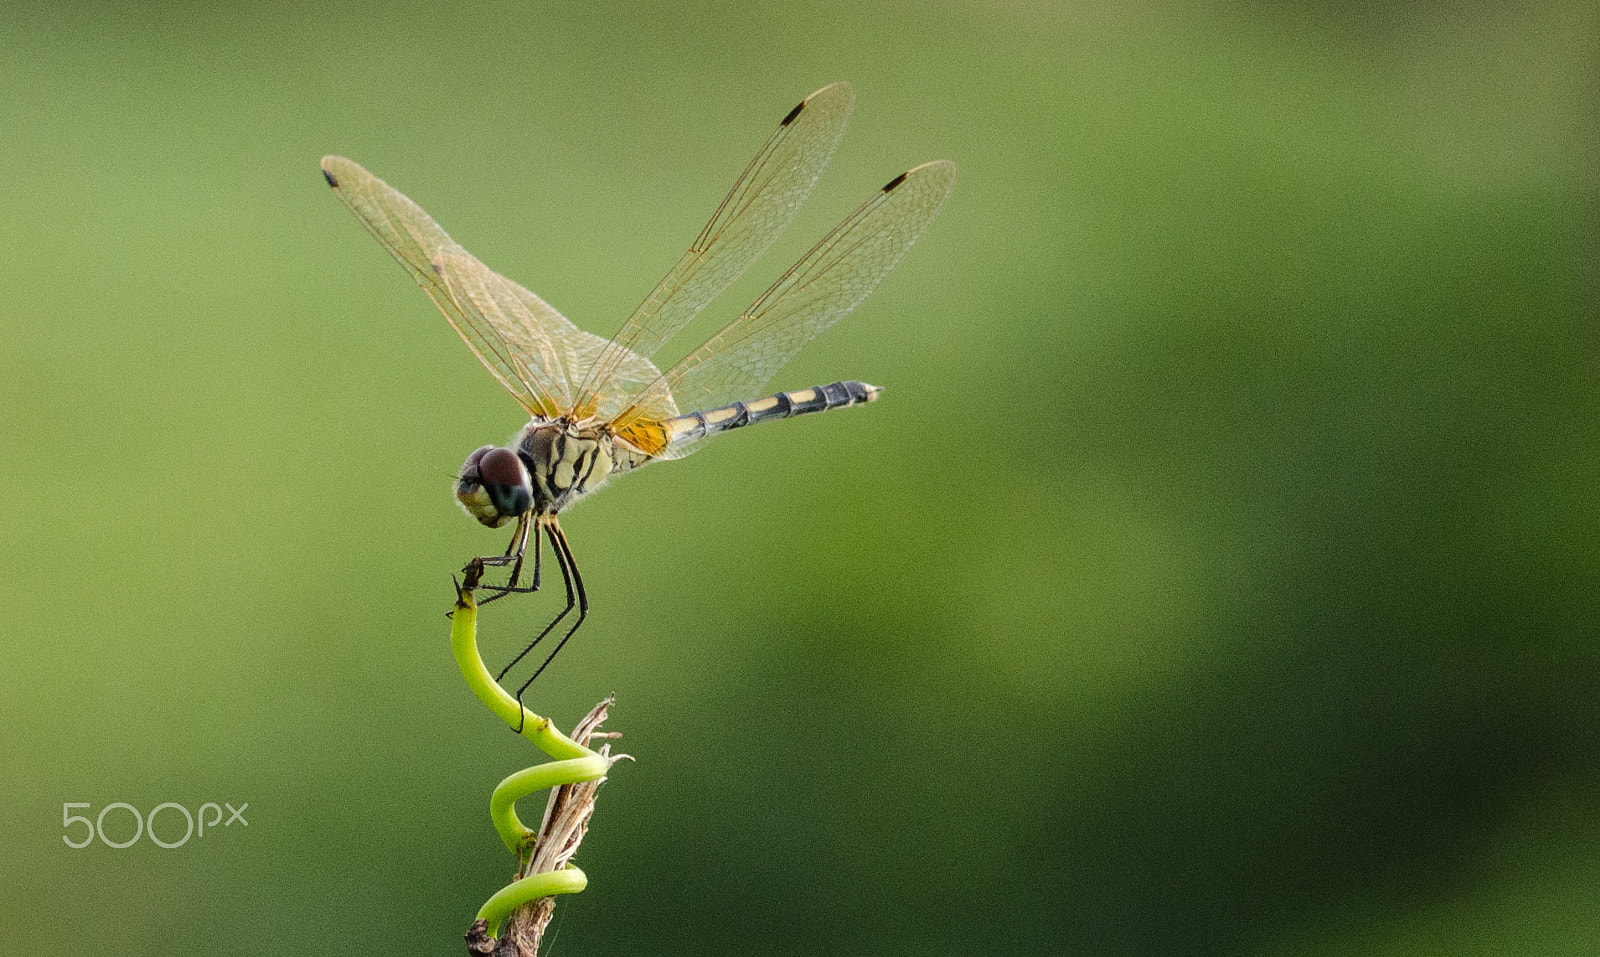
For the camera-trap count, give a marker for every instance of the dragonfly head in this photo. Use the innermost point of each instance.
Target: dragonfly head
(494, 487)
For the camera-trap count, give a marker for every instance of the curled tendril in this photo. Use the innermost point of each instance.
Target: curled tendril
(544, 856)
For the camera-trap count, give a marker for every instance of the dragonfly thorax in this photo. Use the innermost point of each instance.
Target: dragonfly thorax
(564, 461)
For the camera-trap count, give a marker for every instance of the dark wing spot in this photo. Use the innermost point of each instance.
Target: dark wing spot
(435, 266)
(895, 182)
(793, 113)
(329, 177)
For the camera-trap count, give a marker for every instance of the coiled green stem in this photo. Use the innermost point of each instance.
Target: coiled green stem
(544, 855)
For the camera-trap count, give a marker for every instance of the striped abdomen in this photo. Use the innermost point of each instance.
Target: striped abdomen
(834, 395)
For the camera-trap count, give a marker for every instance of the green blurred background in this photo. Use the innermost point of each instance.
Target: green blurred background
(1218, 576)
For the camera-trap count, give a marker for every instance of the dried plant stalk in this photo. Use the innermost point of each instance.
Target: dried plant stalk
(566, 821)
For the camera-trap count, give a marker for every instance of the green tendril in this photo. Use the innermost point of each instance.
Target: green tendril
(574, 764)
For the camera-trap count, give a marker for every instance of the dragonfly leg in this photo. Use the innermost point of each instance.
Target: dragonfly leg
(516, 551)
(575, 599)
(569, 574)
(566, 579)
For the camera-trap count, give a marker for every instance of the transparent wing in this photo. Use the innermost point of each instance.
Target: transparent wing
(549, 345)
(762, 202)
(822, 288)
(523, 342)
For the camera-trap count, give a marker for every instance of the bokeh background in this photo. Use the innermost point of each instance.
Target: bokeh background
(1218, 575)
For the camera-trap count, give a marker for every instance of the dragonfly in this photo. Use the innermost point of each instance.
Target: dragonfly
(599, 408)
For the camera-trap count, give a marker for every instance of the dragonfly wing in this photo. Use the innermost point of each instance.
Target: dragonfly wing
(762, 202)
(819, 290)
(544, 342)
(518, 353)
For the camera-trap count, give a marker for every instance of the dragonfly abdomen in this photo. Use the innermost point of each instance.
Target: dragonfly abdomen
(834, 395)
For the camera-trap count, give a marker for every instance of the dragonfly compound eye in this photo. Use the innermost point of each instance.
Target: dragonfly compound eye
(494, 486)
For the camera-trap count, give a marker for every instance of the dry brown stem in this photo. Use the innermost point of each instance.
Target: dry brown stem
(566, 821)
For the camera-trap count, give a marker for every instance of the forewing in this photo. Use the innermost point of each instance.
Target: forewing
(540, 339)
(510, 350)
(822, 288)
(762, 202)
